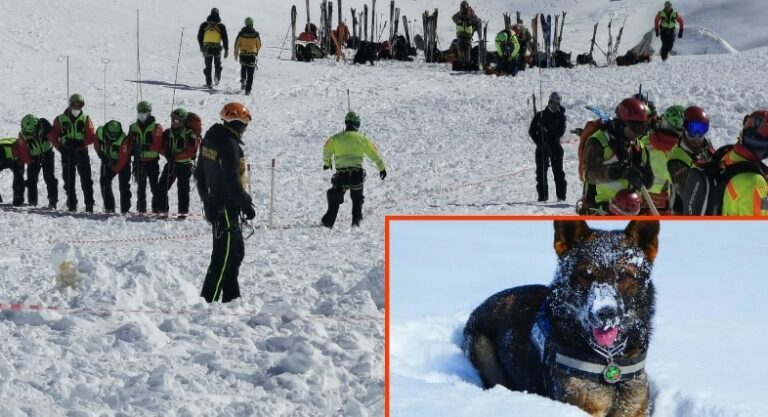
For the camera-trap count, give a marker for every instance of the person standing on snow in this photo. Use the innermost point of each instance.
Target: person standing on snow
(247, 46)
(222, 185)
(115, 154)
(659, 142)
(614, 159)
(467, 23)
(181, 141)
(13, 156)
(664, 26)
(71, 134)
(693, 149)
(211, 36)
(146, 137)
(547, 129)
(346, 150)
(34, 137)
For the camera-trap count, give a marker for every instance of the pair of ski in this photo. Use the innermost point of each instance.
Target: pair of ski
(430, 36)
(551, 43)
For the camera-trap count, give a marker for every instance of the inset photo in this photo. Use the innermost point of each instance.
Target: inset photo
(571, 318)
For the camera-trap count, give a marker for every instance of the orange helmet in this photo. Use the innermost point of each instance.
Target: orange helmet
(235, 111)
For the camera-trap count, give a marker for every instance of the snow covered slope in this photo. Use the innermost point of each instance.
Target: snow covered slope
(709, 310)
(307, 337)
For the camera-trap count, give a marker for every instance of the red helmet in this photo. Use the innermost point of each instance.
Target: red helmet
(632, 110)
(755, 133)
(625, 203)
(695, 114)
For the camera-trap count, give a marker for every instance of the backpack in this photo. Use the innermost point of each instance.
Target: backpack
(705, 185)
(194, 123)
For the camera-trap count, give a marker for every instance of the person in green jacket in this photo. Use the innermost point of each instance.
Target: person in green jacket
(508, 48)
(34, 134)
(346, 150)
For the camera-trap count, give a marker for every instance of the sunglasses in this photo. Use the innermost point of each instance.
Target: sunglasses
(637, 127)
(697, 128)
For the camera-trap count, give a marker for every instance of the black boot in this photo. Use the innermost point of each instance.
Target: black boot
(357, 206)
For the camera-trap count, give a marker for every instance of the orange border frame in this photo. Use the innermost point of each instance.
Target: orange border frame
(495, 217)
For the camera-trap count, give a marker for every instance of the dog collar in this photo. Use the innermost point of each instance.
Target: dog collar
(602, 369)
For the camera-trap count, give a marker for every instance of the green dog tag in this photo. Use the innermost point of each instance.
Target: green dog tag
(612, 373)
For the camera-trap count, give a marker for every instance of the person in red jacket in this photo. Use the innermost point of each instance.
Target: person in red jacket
(181, 143)
(664, 25)
(13, 156)
(146, 137)
(115, 155)
(34, 137)
(71, 135)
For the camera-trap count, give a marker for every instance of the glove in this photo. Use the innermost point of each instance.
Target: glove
(680, 34)
(383, 174)
(210, 212)
(657, 33)
(226, 53)
(326, 167)
(249, 211)
(634, 176)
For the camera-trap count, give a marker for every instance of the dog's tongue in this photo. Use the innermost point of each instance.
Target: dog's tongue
(605, 338)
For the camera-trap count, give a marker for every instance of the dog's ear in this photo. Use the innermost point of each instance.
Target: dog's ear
(646, 234)
(569, 233)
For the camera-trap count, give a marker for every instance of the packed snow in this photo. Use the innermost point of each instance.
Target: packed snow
(704, 357)
(134, 338)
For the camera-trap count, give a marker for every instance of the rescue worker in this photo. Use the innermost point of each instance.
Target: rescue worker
(693, 149)
(660, 141)
(546, 130)
(115, 154)
(146, 139)
(746, 194)
(247, 46)
(466, 24)
(71, 135)
(14, 158)
(525, 39)
(664, 25)
(345, 151)
(211, 37)
(181, 141)
(34, 137)
(221, 183)
(508, 48)
(614, 159)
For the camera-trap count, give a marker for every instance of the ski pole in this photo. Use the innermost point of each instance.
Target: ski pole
(287, 32)
(105, 61)
(349, 105)
(176, 78)
(648, 200)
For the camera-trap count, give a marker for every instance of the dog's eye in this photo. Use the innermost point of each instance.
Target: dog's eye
(627, 283)
(583, 280)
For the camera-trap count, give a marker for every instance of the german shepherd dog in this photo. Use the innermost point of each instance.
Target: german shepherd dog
(583, 339)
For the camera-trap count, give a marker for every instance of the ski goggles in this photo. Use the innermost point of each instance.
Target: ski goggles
(697, 128)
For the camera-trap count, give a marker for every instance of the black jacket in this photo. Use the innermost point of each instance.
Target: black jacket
(219, 168)
(222, 29)
(553, 124)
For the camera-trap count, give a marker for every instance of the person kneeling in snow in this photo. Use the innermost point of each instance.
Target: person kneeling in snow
(346, 150)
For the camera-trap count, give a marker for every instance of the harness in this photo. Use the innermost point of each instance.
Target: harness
(38, 143)
(72, 131)
(177, 142)
(667, 20)
(111, 146)
(604, 366)
(144, 140)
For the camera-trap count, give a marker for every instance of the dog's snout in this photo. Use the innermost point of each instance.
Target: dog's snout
(606, 314)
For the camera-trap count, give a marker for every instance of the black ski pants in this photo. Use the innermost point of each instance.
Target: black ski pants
(226, 257)
(77, 162)
(247, 67)
(344, 179)
(545, 155)
(212, 59)
(124, 185)
(18, 181)
(521, 62)
(508, 65)
(173, 172)
(667, 42)
(147, 171)
(46, 161)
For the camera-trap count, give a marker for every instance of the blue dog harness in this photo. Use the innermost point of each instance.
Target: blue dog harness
(604, 367)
